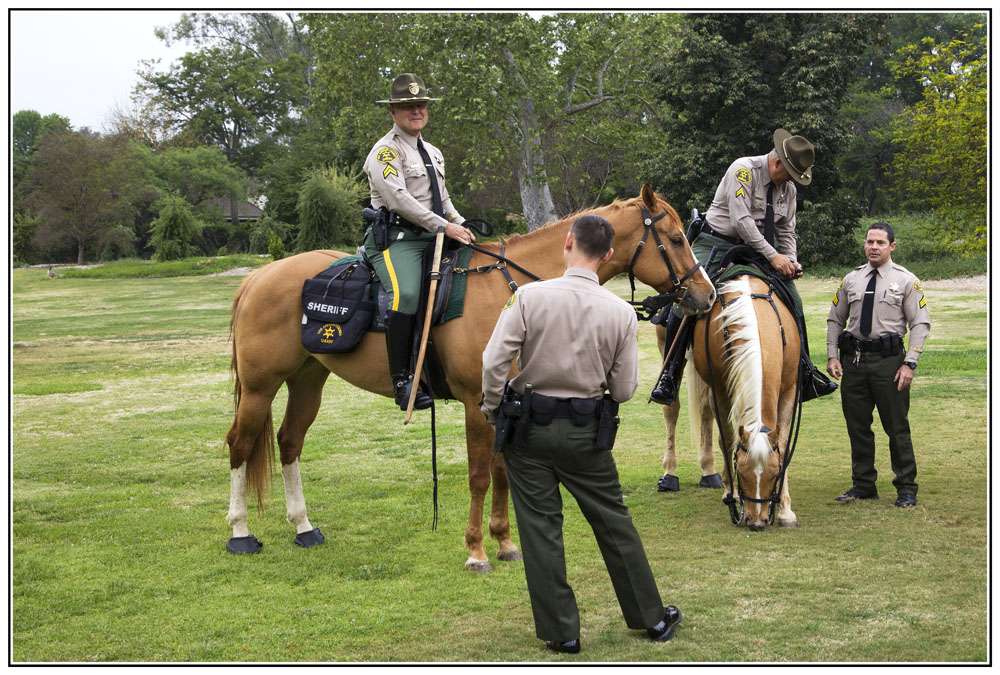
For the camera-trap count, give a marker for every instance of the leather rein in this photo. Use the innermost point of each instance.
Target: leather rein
(650, 305)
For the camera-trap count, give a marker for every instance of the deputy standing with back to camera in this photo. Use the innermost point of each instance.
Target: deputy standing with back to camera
(406, 175)
(555, 425)
(877, 301)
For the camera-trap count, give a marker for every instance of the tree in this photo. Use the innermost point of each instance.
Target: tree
(174, 228)
(878, 97)
(198, 174)
(329, 203)
(941, 140)
(736, 78)
(86, 187)
(226, 96)
(518, 93)
(27, 130)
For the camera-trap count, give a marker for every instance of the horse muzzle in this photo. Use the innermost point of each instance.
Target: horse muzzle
(698, 297)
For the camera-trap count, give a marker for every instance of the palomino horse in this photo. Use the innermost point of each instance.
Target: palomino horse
(267, 352)
(749, 347)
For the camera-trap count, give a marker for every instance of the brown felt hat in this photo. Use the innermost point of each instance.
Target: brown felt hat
(797, 154)
(407, 88)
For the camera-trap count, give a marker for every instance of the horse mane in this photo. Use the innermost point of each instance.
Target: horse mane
(745, 367)
(609, 209)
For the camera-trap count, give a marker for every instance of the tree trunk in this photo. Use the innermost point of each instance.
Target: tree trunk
(536, 197)
(79, 251)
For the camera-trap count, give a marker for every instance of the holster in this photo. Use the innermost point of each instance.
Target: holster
(524, 421)
(507, 416)
(608, 428)
(380, 228)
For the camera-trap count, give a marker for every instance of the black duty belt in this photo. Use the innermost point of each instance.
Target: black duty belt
(571, 408)
(889, 344)
(401, 222)
(707, 229)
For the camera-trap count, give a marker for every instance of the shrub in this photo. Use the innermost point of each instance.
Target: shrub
(174, 228)
(275, 246)
(329, 208)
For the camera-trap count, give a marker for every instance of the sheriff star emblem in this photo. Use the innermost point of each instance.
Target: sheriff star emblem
(894, 287)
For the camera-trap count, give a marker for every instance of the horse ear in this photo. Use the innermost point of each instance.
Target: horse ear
(648, 196)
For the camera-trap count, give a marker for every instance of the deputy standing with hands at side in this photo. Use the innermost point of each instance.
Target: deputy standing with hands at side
(877, 301)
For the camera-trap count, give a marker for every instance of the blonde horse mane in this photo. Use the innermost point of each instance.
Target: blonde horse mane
(745, 372)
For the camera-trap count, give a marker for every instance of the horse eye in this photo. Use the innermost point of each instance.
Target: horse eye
(677, 241)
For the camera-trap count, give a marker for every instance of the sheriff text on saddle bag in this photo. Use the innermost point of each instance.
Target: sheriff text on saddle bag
(336, 308)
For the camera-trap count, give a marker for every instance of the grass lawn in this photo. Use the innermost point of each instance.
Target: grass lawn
(120, 483)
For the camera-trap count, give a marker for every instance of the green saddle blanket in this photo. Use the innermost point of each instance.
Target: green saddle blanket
(450, 301)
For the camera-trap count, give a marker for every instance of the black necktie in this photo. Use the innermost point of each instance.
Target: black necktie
(868, 304)
(769, 217)
(436, 207)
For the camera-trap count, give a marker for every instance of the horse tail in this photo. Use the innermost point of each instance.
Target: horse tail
(745, 372)
(260, 463)
(699, 396)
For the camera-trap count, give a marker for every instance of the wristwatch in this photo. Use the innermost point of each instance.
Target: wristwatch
(911, 364)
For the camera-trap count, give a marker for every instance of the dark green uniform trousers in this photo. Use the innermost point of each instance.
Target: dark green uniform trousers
(865, 386)
(562, 453)
(399, 267)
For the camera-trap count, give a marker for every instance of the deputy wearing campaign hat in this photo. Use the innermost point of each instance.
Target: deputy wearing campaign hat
(754, 206)
(406, 175)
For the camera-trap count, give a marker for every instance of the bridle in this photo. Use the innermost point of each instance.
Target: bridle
(651, 305)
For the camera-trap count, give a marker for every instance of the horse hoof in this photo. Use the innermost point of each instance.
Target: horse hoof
(510, 556)
(310, 538)
(668, 483)
(478, 566)
(790, 522)
(241, 545)
(713, 481)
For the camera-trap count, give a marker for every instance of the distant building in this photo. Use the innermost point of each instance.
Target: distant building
(245, 211)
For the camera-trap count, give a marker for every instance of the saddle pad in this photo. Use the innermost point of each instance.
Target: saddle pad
(453, 308)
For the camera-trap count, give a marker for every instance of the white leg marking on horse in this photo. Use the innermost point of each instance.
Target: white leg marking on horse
(473, 561)
(237, 516)
(295, 503)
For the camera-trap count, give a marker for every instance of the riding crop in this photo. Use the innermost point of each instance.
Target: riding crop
(435, 276)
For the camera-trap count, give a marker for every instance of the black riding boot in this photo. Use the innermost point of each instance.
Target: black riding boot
(665, 391)
(814, 382)
(398, 341)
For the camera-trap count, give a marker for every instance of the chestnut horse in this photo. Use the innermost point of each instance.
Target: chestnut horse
(749, 348)
(268, 352)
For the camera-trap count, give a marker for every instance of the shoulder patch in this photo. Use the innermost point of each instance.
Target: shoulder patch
(386, 155)
(742, 175)
(510, 303)
(917, 287)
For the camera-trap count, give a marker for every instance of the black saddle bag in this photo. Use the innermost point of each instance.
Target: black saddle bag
(337, 308)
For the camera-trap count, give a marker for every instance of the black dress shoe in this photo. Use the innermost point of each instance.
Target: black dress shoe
(569, 647)
(906, 500)
(853, 494)
(664, 630)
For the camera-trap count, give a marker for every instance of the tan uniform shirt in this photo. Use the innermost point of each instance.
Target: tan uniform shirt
(576, 339)
(740, 204)
(899, 301)
(399, 180)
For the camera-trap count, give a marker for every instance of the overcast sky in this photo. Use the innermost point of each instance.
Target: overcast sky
(79, 64)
